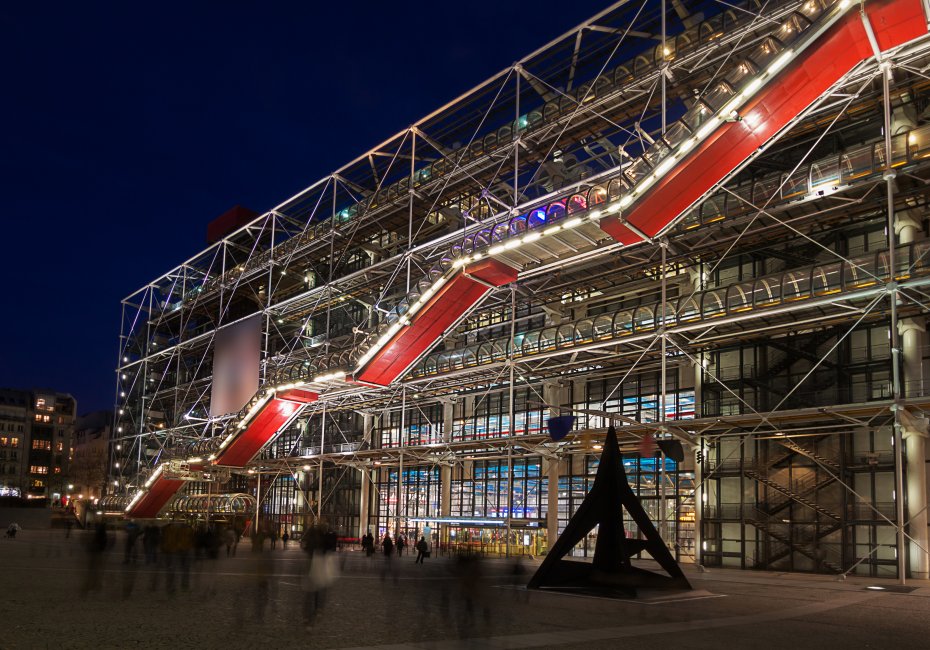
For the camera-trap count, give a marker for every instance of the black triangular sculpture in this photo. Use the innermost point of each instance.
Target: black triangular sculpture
(611, 573)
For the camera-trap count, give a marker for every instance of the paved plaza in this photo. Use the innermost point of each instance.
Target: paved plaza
(59, 595)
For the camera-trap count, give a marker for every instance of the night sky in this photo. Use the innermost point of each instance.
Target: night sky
(128, 126)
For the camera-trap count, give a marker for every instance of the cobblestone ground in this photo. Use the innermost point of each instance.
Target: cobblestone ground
(58, 595)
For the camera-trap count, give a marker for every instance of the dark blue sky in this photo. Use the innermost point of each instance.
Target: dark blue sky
(126, 127)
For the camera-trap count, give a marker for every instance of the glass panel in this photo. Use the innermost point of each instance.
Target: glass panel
(797, 285)
(712, 303)
(719, 95)
(765, 190)
(470, 358)
(602, 86)
(531, 342)
(518, 224)
(643, 319)
(584, 332)
(712, 210)
(921, 257)
(739, 200)
(623, 323)
(500, 232)
(765, 53)
(537, 218)
(795, 186)
(697, 115)
(686, 41)
(692, 218)
(825, 175)
(637, 171)
(740, 73)
(860, 272)
(676, 134)
(856, 163)
(688, 309)
(603, 326)
(483, 238)
(597, 195)
(827, 279)
(812, 9)
(615, 189)
(656, 152)
(555, 211)
(622, 75)
(766, 291)
(739, 297)
(577, 203)
(565, 336)
(547, 339)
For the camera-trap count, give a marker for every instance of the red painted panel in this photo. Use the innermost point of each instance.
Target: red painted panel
(616, 229)
(261, 429)
(492, 271)
(453, 299)
(155, 498)
(820, 66)
(297, 395)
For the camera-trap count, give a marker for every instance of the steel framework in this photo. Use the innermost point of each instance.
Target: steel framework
(773, 322)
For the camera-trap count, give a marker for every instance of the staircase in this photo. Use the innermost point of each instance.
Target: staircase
(806, 350)
(798, 492)
(793, 539)
(788, 443)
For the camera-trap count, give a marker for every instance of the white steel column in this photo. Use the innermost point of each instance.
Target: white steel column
(914, 432)
(445, 470)
(892, 289)
(364, 507)
(552, 394)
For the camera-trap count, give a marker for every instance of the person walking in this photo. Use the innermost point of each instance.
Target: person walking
(230, 539)
(422, 549)
(387, 545)
(284, 539)
(400, 544)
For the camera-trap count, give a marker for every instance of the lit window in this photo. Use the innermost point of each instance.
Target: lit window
(38, 469)
(14, 442)
(42, 444)
(4, 441)
(58, 470)
(40, 404)
(59, 446)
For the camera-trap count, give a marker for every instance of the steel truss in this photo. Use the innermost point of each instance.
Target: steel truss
(328, 269)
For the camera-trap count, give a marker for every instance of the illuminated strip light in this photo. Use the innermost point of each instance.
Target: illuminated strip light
(405, 320)
(148, 484)
(330, 376)
(706, 129)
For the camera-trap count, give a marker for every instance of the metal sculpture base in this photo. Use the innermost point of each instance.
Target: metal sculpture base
(611, 573)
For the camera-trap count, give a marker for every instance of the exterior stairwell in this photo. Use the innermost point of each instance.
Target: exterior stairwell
(805, 544)
(796, 447)
(799, 492)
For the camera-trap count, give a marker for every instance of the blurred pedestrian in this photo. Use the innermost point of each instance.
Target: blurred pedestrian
(387, 545)
(400, 544)
(422, 550)
(231, 540)
(133, 531)
(150, 540)
(284, 538)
